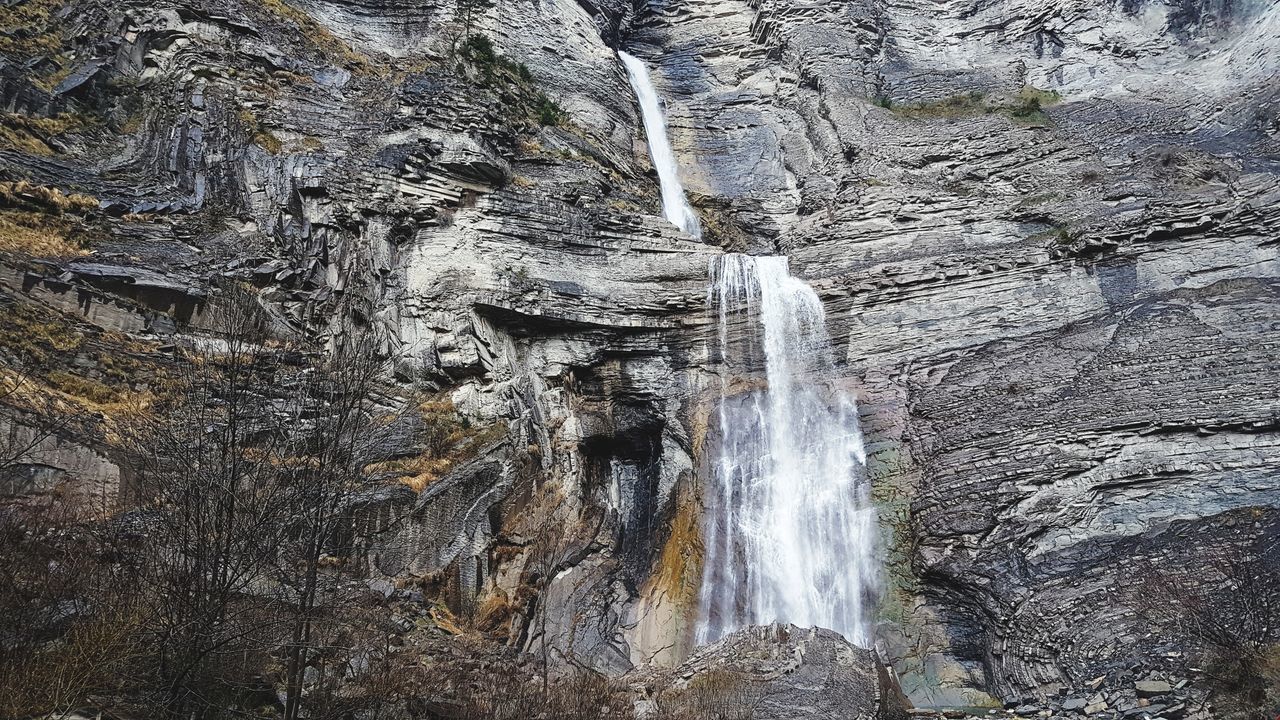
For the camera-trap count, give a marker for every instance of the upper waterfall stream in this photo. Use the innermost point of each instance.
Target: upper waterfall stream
(674, 204)
(790, 529)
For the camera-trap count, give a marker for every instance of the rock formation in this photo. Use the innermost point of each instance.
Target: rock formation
(1044, 234)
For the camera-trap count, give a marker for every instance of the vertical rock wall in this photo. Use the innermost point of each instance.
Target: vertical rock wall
(1044, 234)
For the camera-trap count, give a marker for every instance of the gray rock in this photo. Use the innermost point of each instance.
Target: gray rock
(382, 586)
(1152, 688)
(790, 673)
(1059, 322)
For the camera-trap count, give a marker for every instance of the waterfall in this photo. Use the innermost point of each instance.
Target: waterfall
(674, 205)
(790, 531)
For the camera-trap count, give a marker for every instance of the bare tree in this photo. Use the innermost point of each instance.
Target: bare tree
(69, 623)
(246, 473)
(339, 434)
(206, 471)
(249, 474)
(30, 419)
(1229, 614)
(587, 695)
(556, 534)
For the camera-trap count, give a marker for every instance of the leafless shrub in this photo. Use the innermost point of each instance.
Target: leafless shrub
(586, 695)
(714, 695)
(29, 420)
(70, 624)
(1231, 622)
(248, 473)
(214, 501)
(509, 694)
(556, 533)
(502, 695)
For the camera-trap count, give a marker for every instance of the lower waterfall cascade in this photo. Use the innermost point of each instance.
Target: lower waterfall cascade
(789, 530)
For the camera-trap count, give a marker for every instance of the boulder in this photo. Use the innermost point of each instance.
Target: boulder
(783, 671)
(1152, 688)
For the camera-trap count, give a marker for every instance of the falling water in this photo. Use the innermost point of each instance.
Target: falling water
(674, 205)
(790, 530)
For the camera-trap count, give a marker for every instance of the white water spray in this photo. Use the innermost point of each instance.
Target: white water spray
(790, 528)
(674, 204)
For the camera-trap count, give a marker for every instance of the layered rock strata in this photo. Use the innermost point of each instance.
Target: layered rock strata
(1044, 234)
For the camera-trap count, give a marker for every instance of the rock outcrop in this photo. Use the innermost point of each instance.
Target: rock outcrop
(775, 672)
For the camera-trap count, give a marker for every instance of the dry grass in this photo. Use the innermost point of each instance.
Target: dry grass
(33, 332)
(69, 395)
(95, 656)
(448, 439)
(44, 340)
(31, 134)
(419, 472)
(81, 387)
(36, 235)
(30, 28)
(319, 36)
(444, 619)
(133, 123)
(44, 197)
(715, 695)
(1025, 107)
(55, 78)
(494, 616)
(22, 141)
(495, 612)
(957, 106)
(268, 141)
(260, 136)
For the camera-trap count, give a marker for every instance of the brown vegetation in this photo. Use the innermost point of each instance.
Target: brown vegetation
(221, 587)
(36, 235)
(448, 439)
(1231, 624)
(509, 694)
(262, 137)
(44, 198)
(29, 28)
(714, 695)
(35, 224)
(31, 134)
(318, 36)
(1026, 107)
(51, 349)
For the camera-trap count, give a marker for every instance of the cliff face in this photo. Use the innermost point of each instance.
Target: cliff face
(1044, 233)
